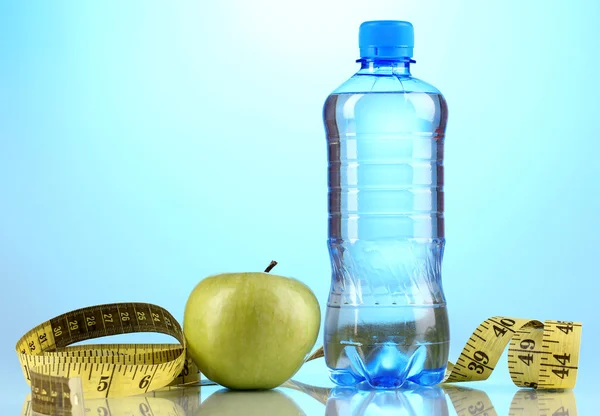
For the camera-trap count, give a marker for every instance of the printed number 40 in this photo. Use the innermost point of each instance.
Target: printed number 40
(501, 330)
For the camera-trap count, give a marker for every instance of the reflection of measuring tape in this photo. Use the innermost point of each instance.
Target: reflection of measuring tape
(171, 401)
(466, 401)
(176, 401)
(59, 376)
(541, 355)
(470, 402)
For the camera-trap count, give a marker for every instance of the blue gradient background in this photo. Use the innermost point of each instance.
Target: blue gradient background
(145, 145)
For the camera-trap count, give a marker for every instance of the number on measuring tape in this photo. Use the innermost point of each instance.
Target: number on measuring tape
(566, 327)
(477, 408)
(532, 345)
(145, 409)
(541, 355)
(103, 383)
(561, 412)
(502, 329)
(561, 372)
(145, 382)
(499, 331)
(478, 368)
(186, 369)
(527, 359)
(481, 356)
(101, 372)
(563, 358)
(527, 344)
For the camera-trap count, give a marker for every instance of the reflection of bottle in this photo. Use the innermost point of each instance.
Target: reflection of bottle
(345, 401)
(386, 315)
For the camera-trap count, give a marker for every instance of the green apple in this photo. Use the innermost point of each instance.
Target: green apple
(256, 403)
(250, 331)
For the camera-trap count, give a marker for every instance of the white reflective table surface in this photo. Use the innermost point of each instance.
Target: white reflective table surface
(311, 393)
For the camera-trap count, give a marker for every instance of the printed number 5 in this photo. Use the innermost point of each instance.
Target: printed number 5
(103, 384)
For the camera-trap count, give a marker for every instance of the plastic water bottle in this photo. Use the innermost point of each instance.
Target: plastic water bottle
(386, 319)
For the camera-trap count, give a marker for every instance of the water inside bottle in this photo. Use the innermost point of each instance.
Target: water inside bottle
(387, 345)
(386, 320)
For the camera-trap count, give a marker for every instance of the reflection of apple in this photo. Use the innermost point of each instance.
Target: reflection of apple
(250, 330)
(255, 403)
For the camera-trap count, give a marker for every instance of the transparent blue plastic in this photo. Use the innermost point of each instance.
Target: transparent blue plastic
(386, 320)
(416, 401)
(389, 39)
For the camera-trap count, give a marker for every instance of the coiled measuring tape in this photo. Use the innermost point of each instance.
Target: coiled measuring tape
(541, 355)
(60, 377)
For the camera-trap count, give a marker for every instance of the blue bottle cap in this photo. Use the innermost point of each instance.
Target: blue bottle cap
(386, 39)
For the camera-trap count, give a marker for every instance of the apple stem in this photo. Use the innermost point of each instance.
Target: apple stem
(271, 265)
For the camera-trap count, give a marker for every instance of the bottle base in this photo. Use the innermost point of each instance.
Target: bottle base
(347, 378)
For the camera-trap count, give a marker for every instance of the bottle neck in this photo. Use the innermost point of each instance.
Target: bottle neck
(396, 67)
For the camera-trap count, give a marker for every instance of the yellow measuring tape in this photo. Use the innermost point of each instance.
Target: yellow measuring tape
(541, 355)
(60, 376)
